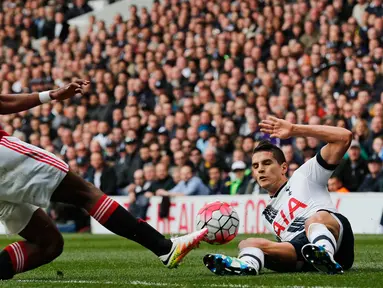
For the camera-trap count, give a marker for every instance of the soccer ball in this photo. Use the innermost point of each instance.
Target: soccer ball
(221, 221)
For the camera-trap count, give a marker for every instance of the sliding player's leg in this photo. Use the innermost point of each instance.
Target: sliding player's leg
(74, 190)
(254, 254)
(43, 242)
(331, 247)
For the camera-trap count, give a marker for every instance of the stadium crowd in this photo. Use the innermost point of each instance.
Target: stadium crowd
(176, 92)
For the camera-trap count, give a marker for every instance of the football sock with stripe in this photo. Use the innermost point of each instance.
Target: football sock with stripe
(253, 257)
(319, 234)
(23, 256)
(119, 221)
(13, 259)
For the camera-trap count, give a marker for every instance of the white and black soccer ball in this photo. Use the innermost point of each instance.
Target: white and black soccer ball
(221, 220)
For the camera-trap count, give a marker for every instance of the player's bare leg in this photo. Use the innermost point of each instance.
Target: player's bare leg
(74, 190)
(43, 244)
(322, 230)
(254, 254)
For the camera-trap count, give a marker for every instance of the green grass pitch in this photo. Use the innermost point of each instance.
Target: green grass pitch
(111, 261)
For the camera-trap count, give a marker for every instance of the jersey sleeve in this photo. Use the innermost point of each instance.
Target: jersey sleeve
(317, 170)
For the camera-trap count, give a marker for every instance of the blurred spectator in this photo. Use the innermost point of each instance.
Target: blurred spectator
(164, 181)
(101, 176)
(358, 12)
(111, 156)
(216, 184)
(353, 170)
(144, 155)
(155, 153)
(150, 176)
(80, 7)
(239, 181)
(188, 186)
(373, 180)
(179, 159)
(335, 185)
(377, 147)
(131, 163)
(204, 132)
(58, 28)
(197, 161)
(290, 155)
(139, 195)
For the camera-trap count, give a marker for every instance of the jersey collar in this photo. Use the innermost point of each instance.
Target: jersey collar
(279, 190)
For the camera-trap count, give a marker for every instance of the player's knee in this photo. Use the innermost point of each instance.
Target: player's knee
(316, 218)
(253, 242)
(55, 248)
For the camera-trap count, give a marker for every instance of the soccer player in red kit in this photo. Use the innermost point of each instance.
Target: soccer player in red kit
(31, 177)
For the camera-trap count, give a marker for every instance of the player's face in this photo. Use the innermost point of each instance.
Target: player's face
(267, 171)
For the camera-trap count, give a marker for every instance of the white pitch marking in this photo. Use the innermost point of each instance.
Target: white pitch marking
(157, 284)
(67, 281)
(135, 282)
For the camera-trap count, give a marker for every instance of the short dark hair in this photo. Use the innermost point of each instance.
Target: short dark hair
(335, 177)
(215, 167)
(196, 149)
(265, 145)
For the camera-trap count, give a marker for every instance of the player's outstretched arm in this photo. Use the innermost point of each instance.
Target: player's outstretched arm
(13, 103)
(338, 139)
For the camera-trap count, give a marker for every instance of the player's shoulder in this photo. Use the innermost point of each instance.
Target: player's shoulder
(315, 163)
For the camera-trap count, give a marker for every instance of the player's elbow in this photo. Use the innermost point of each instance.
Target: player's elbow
(347, 138)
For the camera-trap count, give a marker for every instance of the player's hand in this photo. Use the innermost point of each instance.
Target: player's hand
(277, 128)
(69, 90)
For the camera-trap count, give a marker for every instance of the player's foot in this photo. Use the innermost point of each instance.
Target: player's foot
(181, 247)
(225, 265)
(322, 260)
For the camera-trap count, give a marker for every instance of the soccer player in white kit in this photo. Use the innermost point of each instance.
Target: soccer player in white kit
(31, 177)
(311, 234)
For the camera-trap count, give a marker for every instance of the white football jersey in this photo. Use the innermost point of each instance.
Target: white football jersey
(302, 196)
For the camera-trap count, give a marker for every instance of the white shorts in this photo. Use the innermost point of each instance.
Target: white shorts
(28, 177)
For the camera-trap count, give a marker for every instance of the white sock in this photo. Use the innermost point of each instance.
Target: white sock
(319, 234)
(253, 257)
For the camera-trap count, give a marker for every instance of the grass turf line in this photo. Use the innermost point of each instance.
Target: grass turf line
(111, 261)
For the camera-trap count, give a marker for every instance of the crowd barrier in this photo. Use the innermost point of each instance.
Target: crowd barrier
(364, 211)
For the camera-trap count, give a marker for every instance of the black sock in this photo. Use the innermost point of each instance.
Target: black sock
(6, 267)
(118, 220)
(125, 224)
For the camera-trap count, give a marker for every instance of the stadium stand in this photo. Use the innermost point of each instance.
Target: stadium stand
(186, 82)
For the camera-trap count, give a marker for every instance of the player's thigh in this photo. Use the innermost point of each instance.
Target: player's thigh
(279, 256)
(325, 218)
(75, 190)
